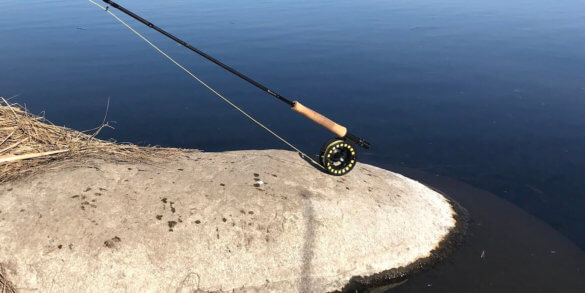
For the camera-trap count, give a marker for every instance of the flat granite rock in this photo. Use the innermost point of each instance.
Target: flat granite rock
(243, 221)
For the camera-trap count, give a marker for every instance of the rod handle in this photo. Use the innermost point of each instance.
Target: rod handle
(319, 119)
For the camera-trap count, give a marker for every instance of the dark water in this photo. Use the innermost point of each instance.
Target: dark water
(504, 250)
(491, 93)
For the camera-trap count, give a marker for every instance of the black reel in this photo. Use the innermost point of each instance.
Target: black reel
(338, 156)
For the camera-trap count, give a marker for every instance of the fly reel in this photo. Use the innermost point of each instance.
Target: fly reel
(338, 156)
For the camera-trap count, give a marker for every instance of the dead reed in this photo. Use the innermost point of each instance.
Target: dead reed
(5, 285)
(28, 142)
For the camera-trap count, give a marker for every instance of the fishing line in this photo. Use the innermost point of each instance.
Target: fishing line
(106, 9)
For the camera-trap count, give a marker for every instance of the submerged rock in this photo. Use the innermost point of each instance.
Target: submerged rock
(241, 221)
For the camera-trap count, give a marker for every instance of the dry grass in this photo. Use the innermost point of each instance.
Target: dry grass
(5, 285)
(28, 142)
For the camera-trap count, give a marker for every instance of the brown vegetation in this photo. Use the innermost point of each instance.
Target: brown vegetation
(28, 141)
(5, 285)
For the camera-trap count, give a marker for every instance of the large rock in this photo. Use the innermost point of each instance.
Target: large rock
(244, 221)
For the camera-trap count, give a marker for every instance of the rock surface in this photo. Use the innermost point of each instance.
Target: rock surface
(242, 221)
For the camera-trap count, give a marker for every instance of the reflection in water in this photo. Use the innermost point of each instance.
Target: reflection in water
(504, 250)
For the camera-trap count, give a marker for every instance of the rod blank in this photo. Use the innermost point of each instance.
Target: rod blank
(339, 130)
(188, 46)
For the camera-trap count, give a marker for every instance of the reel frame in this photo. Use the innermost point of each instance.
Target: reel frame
(338, 156)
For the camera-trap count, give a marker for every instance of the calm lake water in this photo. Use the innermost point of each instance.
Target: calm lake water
(491, 93)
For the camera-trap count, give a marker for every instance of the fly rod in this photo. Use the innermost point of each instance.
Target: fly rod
(337, 156)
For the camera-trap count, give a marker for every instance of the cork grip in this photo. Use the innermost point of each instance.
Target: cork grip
(320, 119)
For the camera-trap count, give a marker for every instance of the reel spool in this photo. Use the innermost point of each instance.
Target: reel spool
(338, 156)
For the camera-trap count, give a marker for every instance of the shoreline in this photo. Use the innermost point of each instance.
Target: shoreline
(445, 249)
(505, 248)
